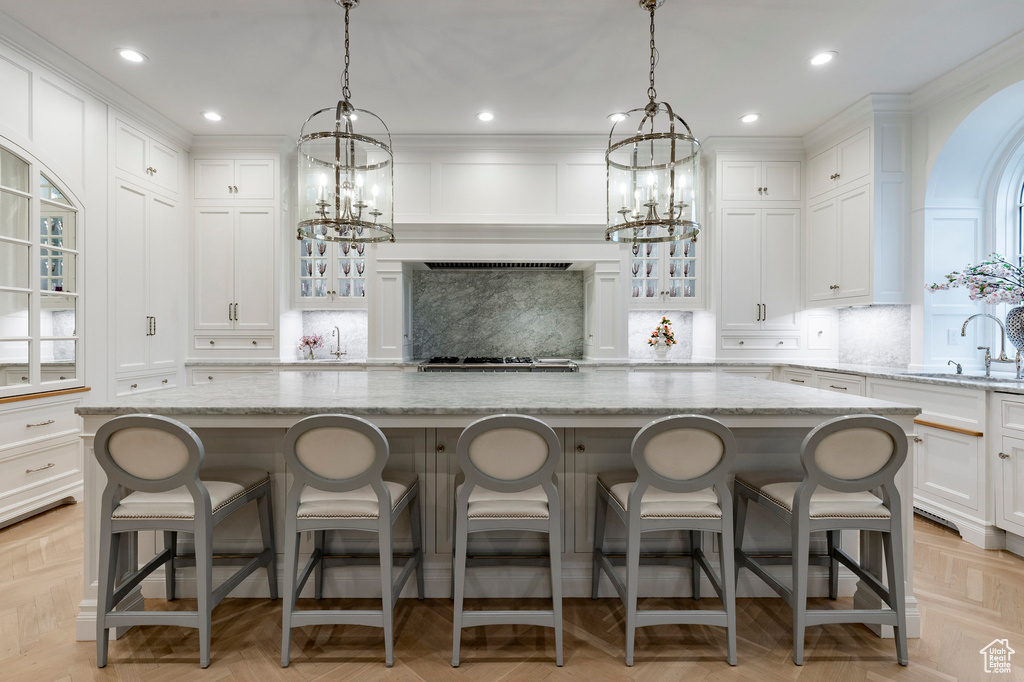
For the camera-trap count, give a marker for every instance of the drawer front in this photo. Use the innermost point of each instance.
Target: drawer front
(1011, 414)
(28, 470)
(753, 372)
(949, 467)
(798, 377)
(217, 376)
(136, 385)
(761, 342)
(840, 383)
(22, 425)
(208, 342)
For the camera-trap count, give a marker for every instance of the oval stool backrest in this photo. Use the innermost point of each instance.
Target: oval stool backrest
(508, 452)
(148, 452)
(683, 453)
(854, 453)
(335, 452)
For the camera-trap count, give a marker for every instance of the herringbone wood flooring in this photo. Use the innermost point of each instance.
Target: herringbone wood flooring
(968, 598)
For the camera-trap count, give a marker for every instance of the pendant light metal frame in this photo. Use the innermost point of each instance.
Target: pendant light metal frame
(348, 223)
(634, 226)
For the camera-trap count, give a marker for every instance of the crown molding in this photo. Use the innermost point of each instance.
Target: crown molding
(499, 143)
(856, 116)
(16, 36)
(282, 144)
(481, 233)
(971, 74)
(716, 145)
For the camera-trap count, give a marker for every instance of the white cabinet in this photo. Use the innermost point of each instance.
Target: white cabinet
(840, 165)
(149, 257)
(839, 254)
(220, 178)
(850, 384)
(798, 377)
(760, 279)
(760, 180)
(233, 258)
(1008, 463)
(331, 274)
(667, 276)
(144, 157)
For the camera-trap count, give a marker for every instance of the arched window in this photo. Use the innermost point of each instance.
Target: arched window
(39, 278)
(1020, 226)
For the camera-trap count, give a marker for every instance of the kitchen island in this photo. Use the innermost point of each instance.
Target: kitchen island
(242, 422)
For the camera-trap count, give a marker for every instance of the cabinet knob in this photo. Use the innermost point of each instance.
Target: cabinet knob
(235, 187)
(164, 381)
(1003, 455)
(254, 342)
(766, 190)
(63, 377)
(229, 189)
(741, 343)
(440, 447)
(581, 448)
(918, 439)
(134, 386)
(209, 378)
(211, 342)
(760, 189)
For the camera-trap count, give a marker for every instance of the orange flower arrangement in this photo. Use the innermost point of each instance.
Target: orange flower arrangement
(662, 333)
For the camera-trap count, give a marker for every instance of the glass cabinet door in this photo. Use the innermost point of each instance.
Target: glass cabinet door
(331, 274)
(663, 273)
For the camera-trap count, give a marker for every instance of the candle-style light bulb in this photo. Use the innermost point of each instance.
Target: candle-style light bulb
(321, 188)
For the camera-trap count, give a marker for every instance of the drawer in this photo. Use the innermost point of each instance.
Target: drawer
(760, 342)
(210, 342)
(798, 377)
(134, 385)
(753, 372)
(21, 425)
(33, 468)
(1011, 414)
(216, 376)
(840, 383)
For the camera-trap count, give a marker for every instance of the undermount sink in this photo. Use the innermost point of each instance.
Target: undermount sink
(969, 377)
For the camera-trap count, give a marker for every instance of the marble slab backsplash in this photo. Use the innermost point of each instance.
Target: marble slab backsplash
(643, 322)
(875, 335)
(497, 312)
(351, 323)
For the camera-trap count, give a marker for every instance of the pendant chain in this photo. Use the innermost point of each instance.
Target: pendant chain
(651, 92)
(347, 94)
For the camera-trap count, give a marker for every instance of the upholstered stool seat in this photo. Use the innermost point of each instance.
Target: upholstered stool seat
(845, 462)
(224, 486)
(779, 488)
(160, 461)
(680, 483)
(701, 504)
(355, 504)
(491, 504)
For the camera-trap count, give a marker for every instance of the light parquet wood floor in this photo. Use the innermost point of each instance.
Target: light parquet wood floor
(968, 597)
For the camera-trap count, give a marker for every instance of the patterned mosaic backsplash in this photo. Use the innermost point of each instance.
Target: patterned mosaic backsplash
(497, 312)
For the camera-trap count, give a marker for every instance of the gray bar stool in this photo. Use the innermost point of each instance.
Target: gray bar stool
(680, 483)
(339, 483)
(844, 460)
(508, 465)
(160, 459)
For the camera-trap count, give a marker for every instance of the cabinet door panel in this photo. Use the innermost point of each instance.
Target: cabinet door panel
(164, 161)
(854, 217)
(130, 323)
(948, 464)
(820, 170)
(780, 268)
(130, 150)
(214, 268)
(255, 274)
(167, 279)
(1010, 515)
(781, 180)
(854, 158)
(821, 251)
(213, 178)
(741, 180)
(254, 179)
(741, 269)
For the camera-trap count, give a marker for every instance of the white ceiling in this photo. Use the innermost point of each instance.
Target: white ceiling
(543, 66)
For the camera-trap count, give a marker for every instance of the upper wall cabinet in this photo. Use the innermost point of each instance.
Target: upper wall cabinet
(840, 166)
(760, 180)
(857, 251)
(234, 179)
(145, 158)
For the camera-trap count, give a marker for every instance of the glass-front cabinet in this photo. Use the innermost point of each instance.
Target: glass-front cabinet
(331, 274)
(39, 279)
(666, 275)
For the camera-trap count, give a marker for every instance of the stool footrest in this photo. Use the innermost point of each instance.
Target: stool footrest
(187, 619)
(474, 618)
(645, 618)
(338, 617)
(874, 616)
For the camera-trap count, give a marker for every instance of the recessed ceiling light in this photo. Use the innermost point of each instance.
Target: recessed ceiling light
(131, 55)
(750, 118)
(617, 117)
(822, 58)
(212, 116)
(485, 116)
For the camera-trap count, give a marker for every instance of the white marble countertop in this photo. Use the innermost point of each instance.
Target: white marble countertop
(424, 393)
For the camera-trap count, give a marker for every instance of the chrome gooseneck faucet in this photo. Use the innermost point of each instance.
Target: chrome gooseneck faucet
(1002, 345)
(337, 352)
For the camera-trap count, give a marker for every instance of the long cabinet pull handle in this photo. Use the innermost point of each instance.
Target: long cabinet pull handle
(229, 312)
(764, 312)
(236, 312)
(798, 381)
(43, 468)
(758, 311)
(838, 388)
(154, 325)
(45, 423)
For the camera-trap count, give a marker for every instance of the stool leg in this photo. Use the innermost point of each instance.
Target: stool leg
(555, 549)
(600, 517)
(417, 541)
(739, 512)
(204, 583)
(892, 547)
(727, 557)
(291, 571)
(109, 544)
(632, 577)
(460, 538)
(265, 507)
(170, 544)
(695, 543)
(801, 559)
(834, 540)
(319, 541)
(387, 591)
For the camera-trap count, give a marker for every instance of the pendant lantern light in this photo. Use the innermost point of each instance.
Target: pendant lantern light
(653, 169)
(346, 183)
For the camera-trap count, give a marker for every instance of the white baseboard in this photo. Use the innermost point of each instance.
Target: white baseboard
(971, 529)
